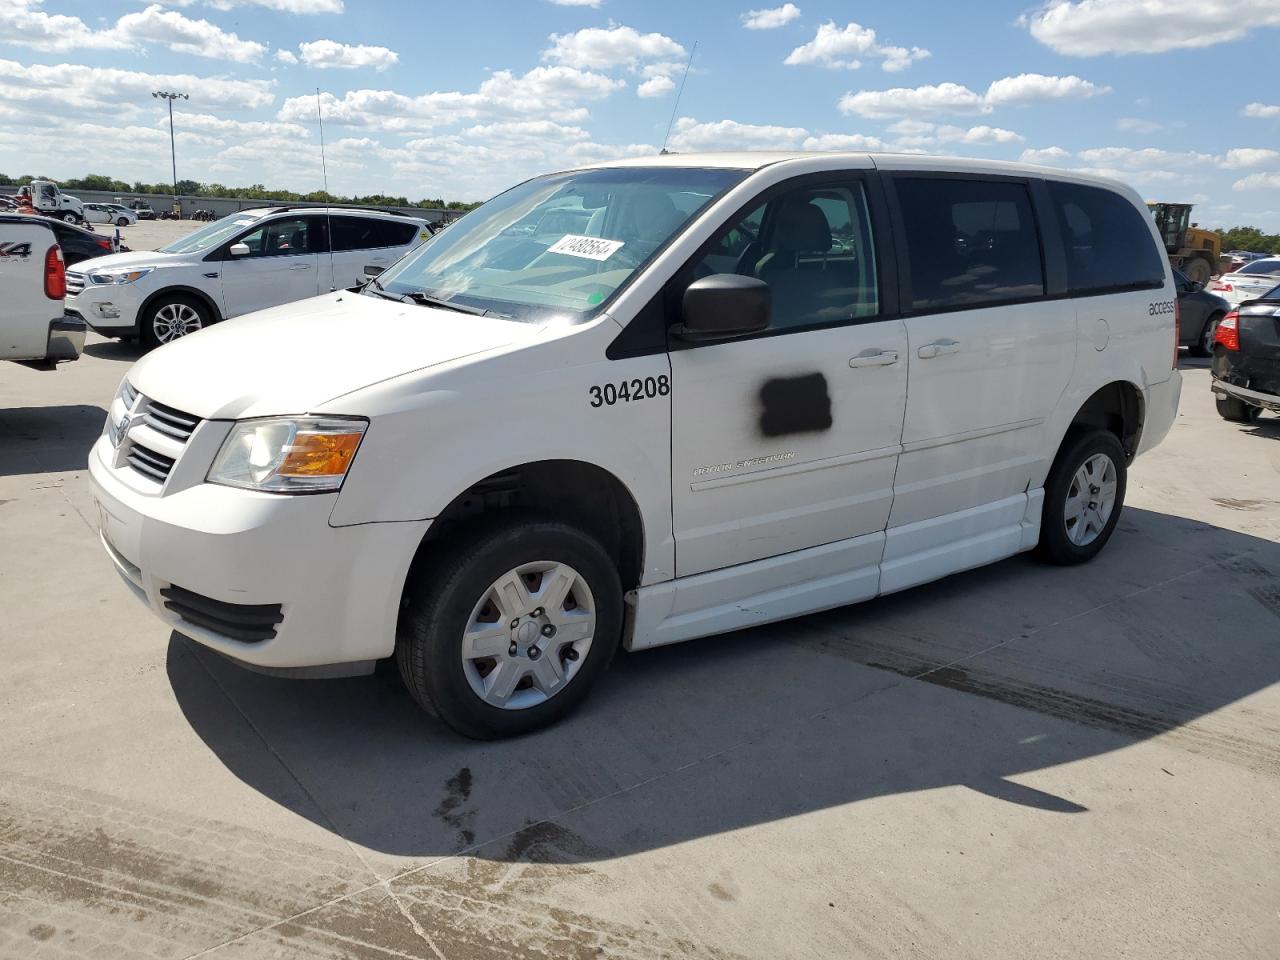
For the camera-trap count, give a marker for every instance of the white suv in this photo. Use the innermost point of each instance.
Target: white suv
(241, 263)
(644, 402)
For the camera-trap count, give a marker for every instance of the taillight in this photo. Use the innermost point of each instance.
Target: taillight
(1177, 329)
(104, 243)
(55, 274)
(1224, 287)
(1228, 332)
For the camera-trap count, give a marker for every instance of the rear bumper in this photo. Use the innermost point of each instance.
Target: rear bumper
(1268, 401)
(1162, 409)
(65, 342)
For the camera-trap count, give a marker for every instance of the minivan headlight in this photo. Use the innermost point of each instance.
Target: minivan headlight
(126, 277)
(288, 454)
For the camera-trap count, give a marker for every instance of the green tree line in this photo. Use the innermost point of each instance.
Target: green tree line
(1249, 238)
(192, 188)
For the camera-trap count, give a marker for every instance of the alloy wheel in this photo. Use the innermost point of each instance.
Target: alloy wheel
(175, 320)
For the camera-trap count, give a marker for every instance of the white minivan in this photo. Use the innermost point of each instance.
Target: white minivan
(642, 402)
(245, 262)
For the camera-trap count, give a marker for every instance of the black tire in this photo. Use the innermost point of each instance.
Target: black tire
(1056, 545)
(69, 217)
(442, 592)
(1204, 346)
(151, 321)
(122, 221)
(1235, 409)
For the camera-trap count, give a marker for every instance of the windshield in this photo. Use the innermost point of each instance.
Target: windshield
(1261, 266)
(557, 246)
(212, 235)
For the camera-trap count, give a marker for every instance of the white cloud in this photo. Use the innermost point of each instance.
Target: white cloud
(1087, 28)
(1131, 158)
(979, 134)
(1264, 111)
(576, 3)
(1249, 157)
(840, 48)
(952, 98)
(844, 141)
(182, 35)
(1258, 181)
(1137, 125)
(22, 22)
(552, 92)
(286, 56)
(770, 19)
(690, 135)
(329, 54)
(909, 101)
(221, 126)
(78, 87)
(283, 6)
(656, 86)
(1035, 87)
(1046, 155)
(605, 48)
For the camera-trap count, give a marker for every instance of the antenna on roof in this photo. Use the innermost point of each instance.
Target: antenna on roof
(324, 172)
(676, 106)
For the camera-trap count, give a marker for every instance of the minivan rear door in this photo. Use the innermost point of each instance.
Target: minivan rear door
(989, 355)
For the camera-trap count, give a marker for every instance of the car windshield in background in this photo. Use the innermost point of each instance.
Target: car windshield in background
(1270, 265)
(557, 246)
(212, 235)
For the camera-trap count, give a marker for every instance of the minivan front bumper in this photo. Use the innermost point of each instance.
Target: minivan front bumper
(262, 578)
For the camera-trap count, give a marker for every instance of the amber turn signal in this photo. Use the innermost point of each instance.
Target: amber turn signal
(319, 455)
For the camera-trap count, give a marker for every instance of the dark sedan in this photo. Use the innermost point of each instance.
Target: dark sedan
(1200, 312)
(1246, 359)
(80, 244)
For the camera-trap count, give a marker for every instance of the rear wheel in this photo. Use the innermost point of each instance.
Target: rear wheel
(1204, 347)
(508, 627)
(122, 221)
(169, 318)
(1235, 409)
(1083, 498)
(69, 217)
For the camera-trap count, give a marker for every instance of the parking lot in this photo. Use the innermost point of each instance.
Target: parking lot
(1021, 760)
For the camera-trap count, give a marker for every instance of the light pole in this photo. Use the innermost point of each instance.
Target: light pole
(173, 150)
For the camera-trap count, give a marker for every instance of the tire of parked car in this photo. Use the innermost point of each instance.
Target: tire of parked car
(1235, 409)
(122, 221)
(1204, 347)
(507, 629)
(172, 316)
(1083, 497)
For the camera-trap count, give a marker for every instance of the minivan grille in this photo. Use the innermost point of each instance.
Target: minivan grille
(171, 422)
(155, 465)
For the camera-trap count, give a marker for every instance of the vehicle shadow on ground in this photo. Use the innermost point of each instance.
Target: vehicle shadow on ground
(114, 350)
(971, 681)
(48, 439)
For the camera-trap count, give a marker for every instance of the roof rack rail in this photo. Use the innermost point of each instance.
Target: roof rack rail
(332, 206)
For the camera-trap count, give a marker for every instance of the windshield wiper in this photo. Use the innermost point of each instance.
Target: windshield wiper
(427, 300)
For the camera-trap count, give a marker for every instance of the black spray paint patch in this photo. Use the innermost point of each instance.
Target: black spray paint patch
(795, 405)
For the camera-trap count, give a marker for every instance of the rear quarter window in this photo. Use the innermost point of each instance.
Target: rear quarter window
(1106, 241)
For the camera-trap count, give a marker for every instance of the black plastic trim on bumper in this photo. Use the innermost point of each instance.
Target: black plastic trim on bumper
(248, 623)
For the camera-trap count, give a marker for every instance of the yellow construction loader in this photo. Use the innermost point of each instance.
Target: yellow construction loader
(1192, 250)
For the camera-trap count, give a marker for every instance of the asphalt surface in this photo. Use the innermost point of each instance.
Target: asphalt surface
(1018, 761)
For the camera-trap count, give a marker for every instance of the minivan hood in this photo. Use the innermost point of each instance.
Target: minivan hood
(291, 359)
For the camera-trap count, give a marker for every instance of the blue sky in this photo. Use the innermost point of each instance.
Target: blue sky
(462, 99)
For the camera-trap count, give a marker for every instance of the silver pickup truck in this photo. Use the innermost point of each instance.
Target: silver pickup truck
(34, 329)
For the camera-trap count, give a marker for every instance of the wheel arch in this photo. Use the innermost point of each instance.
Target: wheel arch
(194, 292)
(1118, 407)
(574, 491)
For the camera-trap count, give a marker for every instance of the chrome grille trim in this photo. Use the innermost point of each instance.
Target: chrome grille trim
(148, 462)
(172, 422)
(75, 283)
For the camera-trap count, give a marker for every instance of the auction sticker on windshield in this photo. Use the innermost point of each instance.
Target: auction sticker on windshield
(588, 248)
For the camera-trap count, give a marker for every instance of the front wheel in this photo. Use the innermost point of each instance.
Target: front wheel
(69, 217)
(1083, 498)
(169, 318)
(506, 629)
(1235, 409)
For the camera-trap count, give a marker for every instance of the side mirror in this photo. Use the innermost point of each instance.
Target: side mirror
(372, 270)
(239, 250)
(722, 306)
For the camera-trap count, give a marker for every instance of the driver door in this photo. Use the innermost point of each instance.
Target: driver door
(280, 267)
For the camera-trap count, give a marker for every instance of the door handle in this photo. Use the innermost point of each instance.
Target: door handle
(938, 348)
(874, 358)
